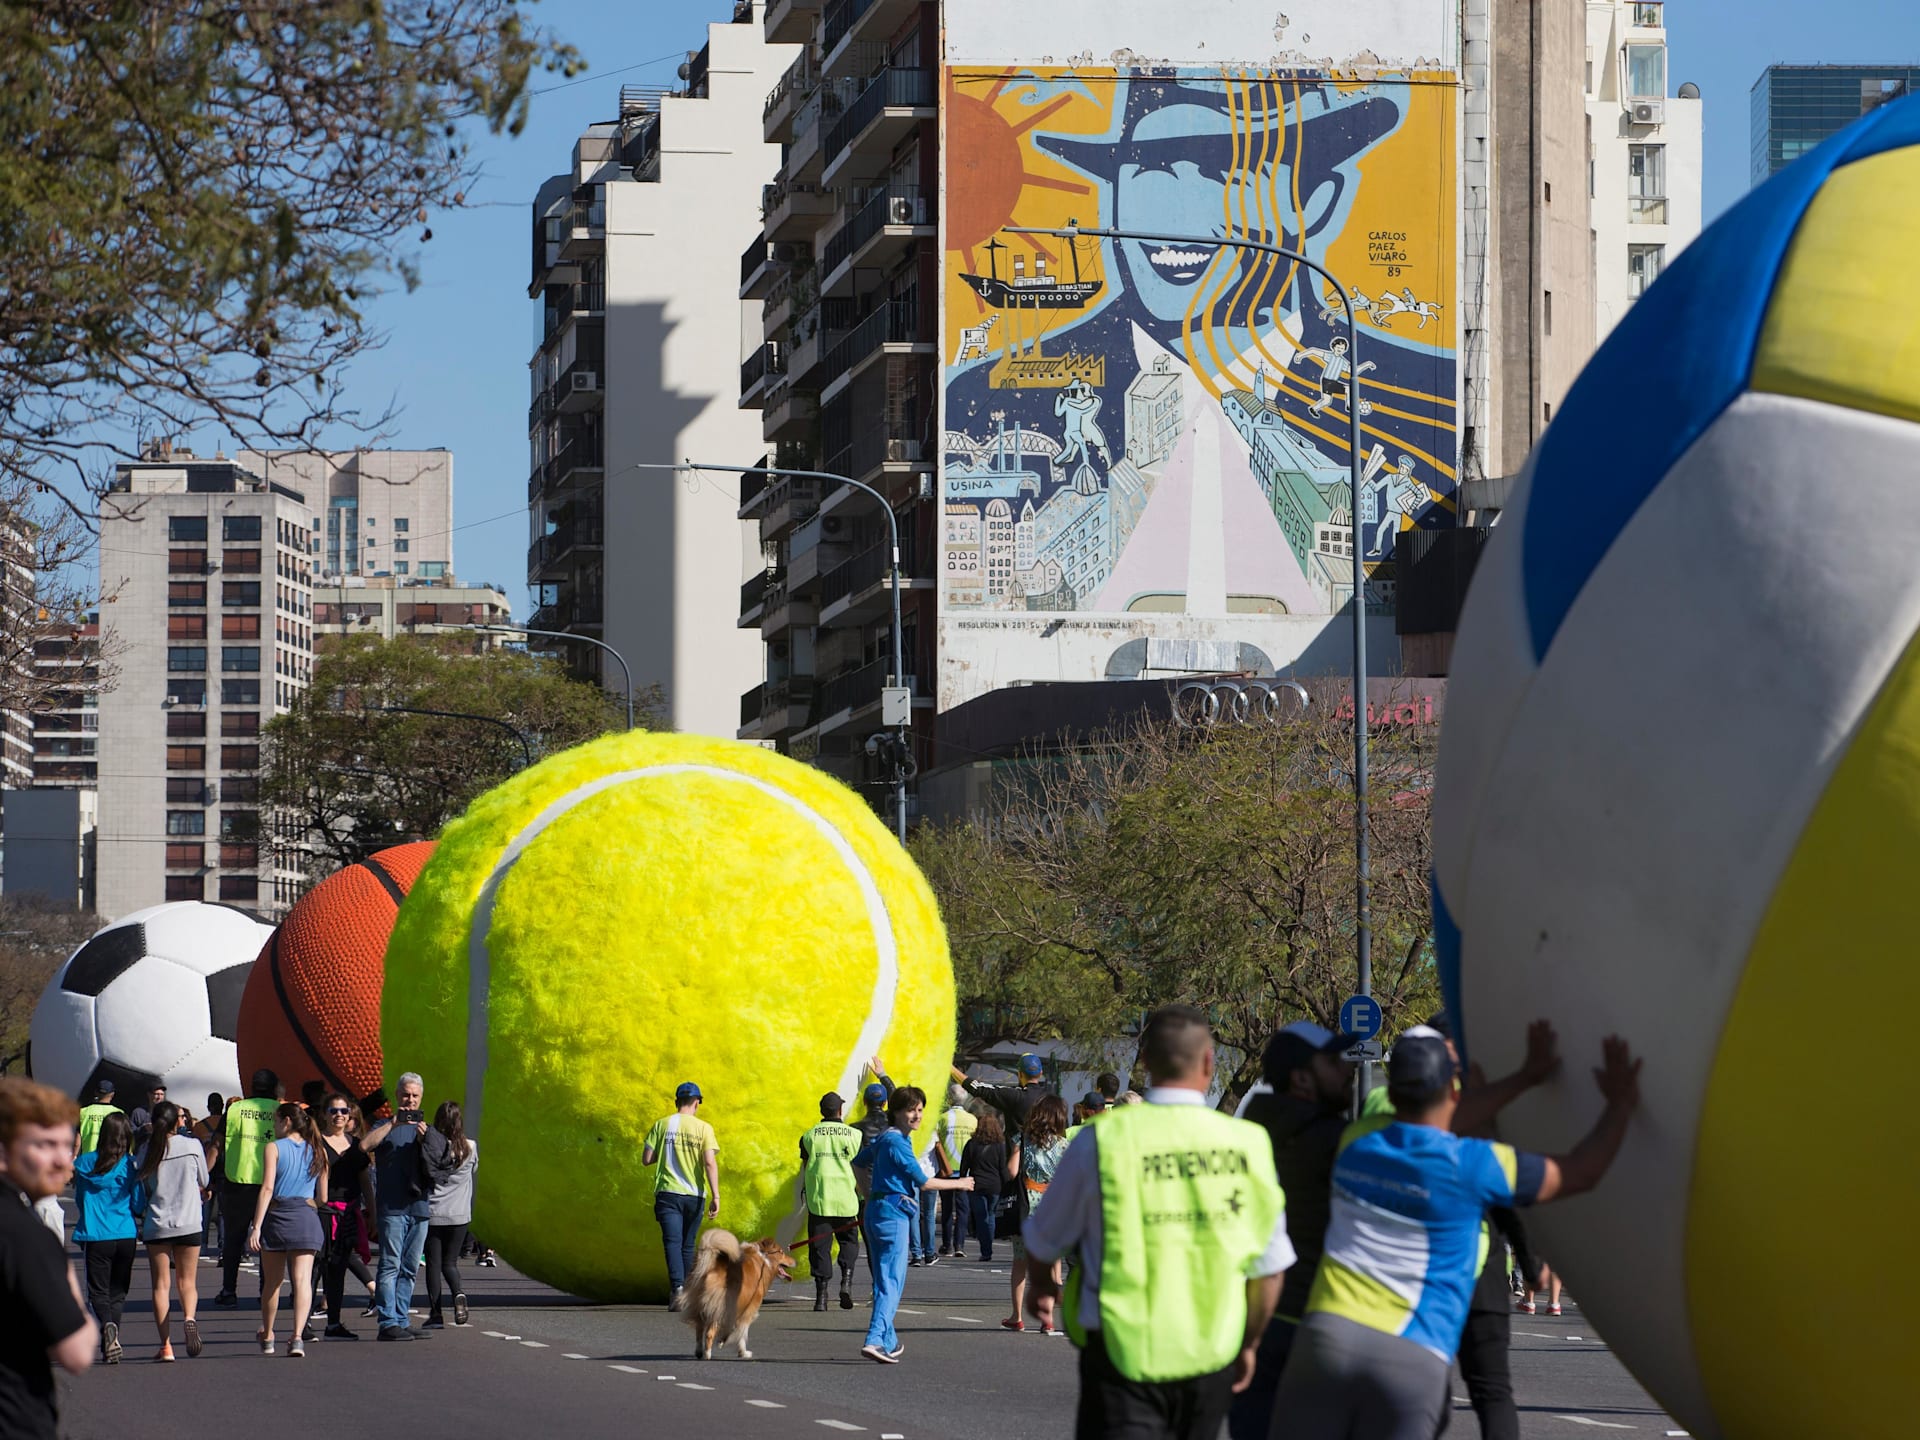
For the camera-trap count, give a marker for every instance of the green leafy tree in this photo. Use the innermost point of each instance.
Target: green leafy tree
(1213, 867)
(353, 771)
(34, 938)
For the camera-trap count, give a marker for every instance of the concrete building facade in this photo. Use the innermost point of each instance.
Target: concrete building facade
(375, 512)
(211, 628)
(387, 607)
(1644, 161)
(66, 726)
(639, 361)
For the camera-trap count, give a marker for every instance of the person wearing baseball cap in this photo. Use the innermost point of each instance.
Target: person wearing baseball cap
(1015, 1101)
(685, 1152)
(1301, 1102)
(833, 1197)
(872, 1125)
(1402, 1248)
(92, 1116)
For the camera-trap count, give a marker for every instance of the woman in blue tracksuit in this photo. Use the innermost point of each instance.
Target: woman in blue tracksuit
(893, 1205)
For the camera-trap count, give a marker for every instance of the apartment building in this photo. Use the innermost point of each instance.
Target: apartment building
(846, 269)
(212, 632)
(637, 363)
(376, 513)
(387, 607)
(17, 632)
(1644, 165)
(66, 725)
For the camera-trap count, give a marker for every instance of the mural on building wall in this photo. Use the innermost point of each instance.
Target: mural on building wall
(1145, 429)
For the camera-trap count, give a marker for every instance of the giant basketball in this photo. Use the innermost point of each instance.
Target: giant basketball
(1678, 797)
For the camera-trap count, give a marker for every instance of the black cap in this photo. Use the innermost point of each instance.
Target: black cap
(1294, 1046)
(1420, 1070)
(1094, 1101)
(831, 1103)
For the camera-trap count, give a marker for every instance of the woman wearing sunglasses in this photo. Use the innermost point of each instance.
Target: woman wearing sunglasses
(348, 1214)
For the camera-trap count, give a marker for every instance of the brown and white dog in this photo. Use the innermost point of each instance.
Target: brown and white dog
(729, 1281)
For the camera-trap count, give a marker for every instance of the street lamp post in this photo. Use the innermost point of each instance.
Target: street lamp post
(625, 673)
(1363, 903)
(893, 528)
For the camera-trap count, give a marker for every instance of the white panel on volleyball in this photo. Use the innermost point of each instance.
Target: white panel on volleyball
(1491, 669)
(212, 1065)
(64, 1049)
(1686, 719)
(207, 938)
(153, 1014)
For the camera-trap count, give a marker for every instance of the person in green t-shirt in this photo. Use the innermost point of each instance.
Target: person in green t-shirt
(684, 1152)
(833, 1198)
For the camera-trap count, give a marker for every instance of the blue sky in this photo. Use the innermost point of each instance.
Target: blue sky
(455, 362)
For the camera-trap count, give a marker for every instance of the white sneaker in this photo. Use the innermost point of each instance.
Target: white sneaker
(874, 1352)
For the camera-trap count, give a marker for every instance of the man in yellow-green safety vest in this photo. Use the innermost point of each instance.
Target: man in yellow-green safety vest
(1181, 1235)
(87, 1137)
(833, 1198)
(243, 1163)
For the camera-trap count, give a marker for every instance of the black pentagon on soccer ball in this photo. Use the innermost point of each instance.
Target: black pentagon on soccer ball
(224, 989)
(130, 1086)
(104, 958)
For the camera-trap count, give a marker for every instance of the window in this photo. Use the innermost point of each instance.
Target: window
(239, 692)
(239, 757)
(185, 791)
(240, 825)
(1644, 263)
(240, 592)
(240, 887)
(240, 789)
(186, 822)
(1647, 16)
(400, 546)
(240, 527)
(241, 562)
(186, 627)
(433, 569)
(1647, 184)
(186, 887)
(188, 692)
(187, 657)
(237, 657)
(185, 854)
(1549, 191)
(238, 627)
(1646, 72)
(186, 592)
(240, 722)
(186, 527)
(186, 757)
(1546, 310)
(401, 526)
(186, 722)
(400, 567)
(187, 562)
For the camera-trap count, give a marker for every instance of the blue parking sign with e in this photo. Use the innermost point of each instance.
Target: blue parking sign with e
(1360, 1016)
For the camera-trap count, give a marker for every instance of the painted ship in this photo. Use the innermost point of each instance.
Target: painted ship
(1036, 291)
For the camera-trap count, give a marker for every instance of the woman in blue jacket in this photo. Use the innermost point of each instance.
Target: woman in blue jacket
(108, 1198)
(893, 1205)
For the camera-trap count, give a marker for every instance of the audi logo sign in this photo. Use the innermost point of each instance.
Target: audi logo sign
(1206, 703)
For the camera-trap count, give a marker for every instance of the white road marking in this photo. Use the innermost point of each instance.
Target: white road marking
(1597, 1424)
(534, 1344)
(1677, 1432)
(627, 1368)
(495, 1334)
(661, 1377)
(964, 1320)
(839, 1425)
(689, 1385)
(904, 1311)
(509, 1337)
(571, 1356)
(767, 1404)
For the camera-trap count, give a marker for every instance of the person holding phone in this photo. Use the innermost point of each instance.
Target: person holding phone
(409, 1158)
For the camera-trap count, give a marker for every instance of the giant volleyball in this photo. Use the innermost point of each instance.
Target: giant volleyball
(639, 911)
(1679, 798)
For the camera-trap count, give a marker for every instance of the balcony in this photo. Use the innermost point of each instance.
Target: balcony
(857, 576)
(581, 451)
(862, 141)
(586, 229)
(753, 596)
(860, 21)
(883, 228)
(753, 489)
(750, 704)
(788, 501)
(767, 363)
(783, 610)
(756, 266)
(580, 389)
(788, 412)
(840, 698)
(786, 98)
(1646, 209)
(790, 22)
(872, 447)
(794, 290)
(785, 705)
(895, 323)
(791, 210)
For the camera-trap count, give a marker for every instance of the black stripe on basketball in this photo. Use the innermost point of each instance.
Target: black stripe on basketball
(387, 882)
(293, 1022)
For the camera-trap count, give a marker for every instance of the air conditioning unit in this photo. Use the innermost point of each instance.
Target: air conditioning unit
(778, 649)
(791, 252)
(831, 525)
(898, 450)
(585, 380)
(903, 210)
(1649, 112)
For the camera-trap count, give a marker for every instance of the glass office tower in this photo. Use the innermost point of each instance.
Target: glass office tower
(1795, 107)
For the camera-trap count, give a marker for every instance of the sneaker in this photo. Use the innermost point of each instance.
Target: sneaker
(110, 1350)
(460, 1311)
(914, 1262)
(929, 1259)
(165, 1357)
(340, 1332)
(311, 1331)
(678, 1300)
(391, 1332)
(946, 1250)
(370, 1311)
(489, 1259)
(874, 1352)
(297, 1348)
(1525, 1307)
(225, 1300)
(194, 1344)
(897, 1351)
(435, 1321)
(1013, 1324)
(1052, 1334)
(1553, 1309)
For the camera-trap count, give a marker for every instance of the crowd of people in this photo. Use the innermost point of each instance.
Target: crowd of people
(1280, 1271)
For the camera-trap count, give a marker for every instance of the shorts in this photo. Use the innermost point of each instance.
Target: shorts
(178, 1237)
(1335, 389)
(1019, 1247)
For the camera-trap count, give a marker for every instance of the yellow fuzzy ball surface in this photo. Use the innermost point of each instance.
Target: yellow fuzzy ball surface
(640, 911)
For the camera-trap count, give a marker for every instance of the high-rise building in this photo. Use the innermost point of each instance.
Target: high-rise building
(375, 512)
(638, 361)
(388, 607)
(66, 721)
(1795, 107)
(211, 633)
(18, 630)
(1643, 158)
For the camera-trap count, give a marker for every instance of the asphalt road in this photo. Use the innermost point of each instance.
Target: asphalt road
(534, 1362)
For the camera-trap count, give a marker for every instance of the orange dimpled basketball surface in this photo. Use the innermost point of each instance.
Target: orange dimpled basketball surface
(311, 1010)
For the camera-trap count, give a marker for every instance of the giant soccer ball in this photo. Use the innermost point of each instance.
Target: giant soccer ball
(1678, 797)
(153, 998)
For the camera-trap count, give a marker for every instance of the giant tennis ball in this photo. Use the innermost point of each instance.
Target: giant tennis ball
(1678, 797)
(640, 911)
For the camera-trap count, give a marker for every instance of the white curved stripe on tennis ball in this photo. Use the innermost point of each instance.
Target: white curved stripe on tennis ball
(886, 980)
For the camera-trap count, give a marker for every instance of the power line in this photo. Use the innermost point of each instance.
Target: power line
(589, 79)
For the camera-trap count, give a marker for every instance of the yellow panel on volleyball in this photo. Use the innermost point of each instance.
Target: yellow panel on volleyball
(1798, 1220)
(1844, 322)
